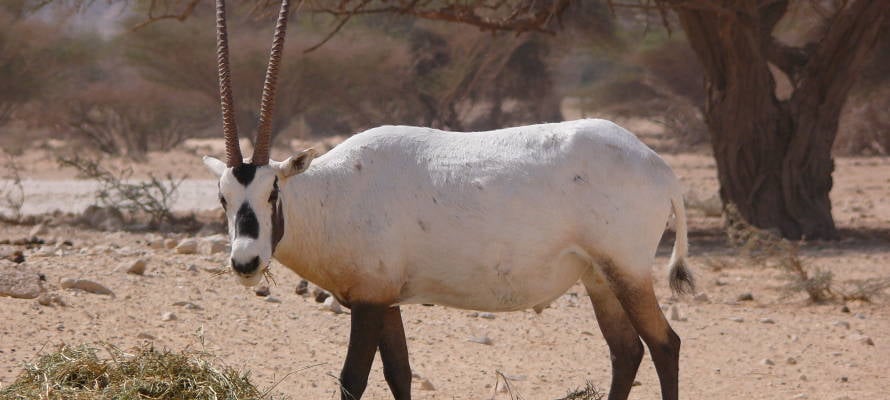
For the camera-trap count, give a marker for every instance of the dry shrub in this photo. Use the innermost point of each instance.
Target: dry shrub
(12, 191)
(77, 373)
(588, 392)
(766, 248)
(152, 197)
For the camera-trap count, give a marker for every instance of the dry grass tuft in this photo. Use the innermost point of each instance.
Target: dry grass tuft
(77, 373)
(588, 392)
(761, 247)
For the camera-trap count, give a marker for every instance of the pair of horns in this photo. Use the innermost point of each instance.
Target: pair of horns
(264, 130)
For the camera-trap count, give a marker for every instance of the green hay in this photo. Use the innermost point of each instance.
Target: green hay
(77, 373)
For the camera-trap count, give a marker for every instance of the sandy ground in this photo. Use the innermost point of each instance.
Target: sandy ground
(814, 351)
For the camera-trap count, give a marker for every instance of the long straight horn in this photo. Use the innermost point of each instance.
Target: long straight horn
(264, 130)
(230, 129)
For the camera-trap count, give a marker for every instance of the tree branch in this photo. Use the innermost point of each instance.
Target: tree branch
(185, 13)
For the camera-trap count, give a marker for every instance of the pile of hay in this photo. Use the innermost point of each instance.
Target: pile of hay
(78, 373)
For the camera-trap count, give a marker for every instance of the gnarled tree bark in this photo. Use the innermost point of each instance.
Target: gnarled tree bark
(774, 155)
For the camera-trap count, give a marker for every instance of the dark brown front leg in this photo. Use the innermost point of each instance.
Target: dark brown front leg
(394, 353)
(364, 336)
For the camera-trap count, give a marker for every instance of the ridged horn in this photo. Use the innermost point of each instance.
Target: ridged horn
(263, 137)
(230, 129)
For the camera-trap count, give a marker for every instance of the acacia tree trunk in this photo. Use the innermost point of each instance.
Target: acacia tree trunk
(774, 155)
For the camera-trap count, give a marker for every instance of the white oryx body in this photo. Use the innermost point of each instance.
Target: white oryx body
(497, 221)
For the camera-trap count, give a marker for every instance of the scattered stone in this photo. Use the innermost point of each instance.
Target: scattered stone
(37, 230)
(675, 314)
(188, 305)
(187, 246)
(50, 299)
(273, 299)
(16, 256)
(262, 291)
(843, 324)
(802, 377)
(721, 282)
(863, 339)
(168, 316)
(170, 243)
(85, 285)
(481, 340)
(801, 396)
(766, 321)
(156, 244)
(19, 284)
(213, 244)
(302, 287)
(791, 361)
(767, 361)
(844, 379)
(747, 296)
(193, 268)
(860, 316)
(736, 319)
(845, 309)
(320, 295)
(144, 335)
(702, 297)
(137, 268)
(331, 304)
(486, 315)
(425, 384)
(103, 218)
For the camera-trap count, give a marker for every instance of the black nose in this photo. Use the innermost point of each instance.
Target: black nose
(248, 267)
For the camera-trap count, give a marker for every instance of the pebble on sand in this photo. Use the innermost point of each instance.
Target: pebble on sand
(138, 267)
(168, 316)
(85, 285)
(481, 340)
(187, 246)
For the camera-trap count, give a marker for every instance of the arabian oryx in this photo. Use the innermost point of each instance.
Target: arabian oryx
(496, 221)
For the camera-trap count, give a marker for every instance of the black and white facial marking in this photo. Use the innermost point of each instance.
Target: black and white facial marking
(250, 195)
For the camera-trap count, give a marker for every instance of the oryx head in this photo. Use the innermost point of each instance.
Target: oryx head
(248, 188)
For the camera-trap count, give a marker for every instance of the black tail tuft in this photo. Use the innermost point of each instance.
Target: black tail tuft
(681, 279)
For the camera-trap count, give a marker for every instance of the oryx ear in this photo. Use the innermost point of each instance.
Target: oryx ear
(214, 165)
(294, 165)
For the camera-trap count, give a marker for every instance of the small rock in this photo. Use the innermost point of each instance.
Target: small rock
(801, 396)
(213, 244)
(842, 324)
(37, 230)
(721, 282)
(85, 285)
(766, 321)
(191, 268)
(481, 340)
(188, 305)
(863, 339)
(791, 361)
(736, 319)
(170, 243)
(702, 297)
(675, 314)
(144, 335)
(187, 246)
(745, 297)
(425, 384)
(137, 268)
(273, 299)
(302, 287)
(156, 244)
(168, 316)
(262, 291)
(844, 379)
(50, 299)
(486, 315)
(767, 361)
(802, 377)
(845, 309)
(320, 295)
(19, 284)
(331, 304)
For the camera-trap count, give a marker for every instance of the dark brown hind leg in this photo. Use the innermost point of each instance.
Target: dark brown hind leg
(394, 353)
(625, 347)
(637, 297)
(364, 336)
